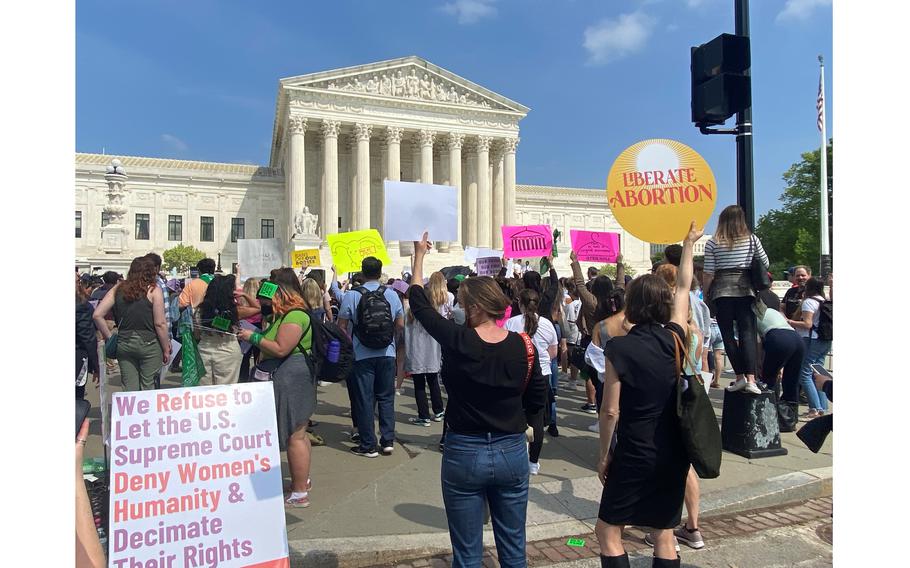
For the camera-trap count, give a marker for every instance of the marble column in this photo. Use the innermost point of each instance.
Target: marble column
(415, 158)
(484, 220)
(351, 145)
(498, 214)
(470, 216)
(426, 138)
(454, 143)
(329, 220)
(509, 181)
(362, 133)
(296, 169)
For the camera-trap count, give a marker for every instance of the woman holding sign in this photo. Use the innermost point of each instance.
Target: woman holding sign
(284, 346)
(728, 257)
(492, 377)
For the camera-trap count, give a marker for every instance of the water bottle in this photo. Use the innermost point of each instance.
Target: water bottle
(333, 351)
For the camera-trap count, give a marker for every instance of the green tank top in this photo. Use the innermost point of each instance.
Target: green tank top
(298, 317)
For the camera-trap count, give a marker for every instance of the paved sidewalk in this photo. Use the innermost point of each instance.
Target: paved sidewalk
(717, 531)
(374, 511)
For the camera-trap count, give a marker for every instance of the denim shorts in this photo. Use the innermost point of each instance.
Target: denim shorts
(717, 342)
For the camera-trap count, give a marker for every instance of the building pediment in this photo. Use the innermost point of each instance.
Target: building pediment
(410, 78)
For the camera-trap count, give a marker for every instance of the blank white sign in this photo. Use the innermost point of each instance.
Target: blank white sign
(412, 208)
(257, 257)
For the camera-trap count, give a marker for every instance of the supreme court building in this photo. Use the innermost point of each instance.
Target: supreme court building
(337, 135)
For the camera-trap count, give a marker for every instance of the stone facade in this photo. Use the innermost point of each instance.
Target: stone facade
(337, 136)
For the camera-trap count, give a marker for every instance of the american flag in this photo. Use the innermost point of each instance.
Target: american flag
(820, 105)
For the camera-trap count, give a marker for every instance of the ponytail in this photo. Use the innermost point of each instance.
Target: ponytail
(529, 301)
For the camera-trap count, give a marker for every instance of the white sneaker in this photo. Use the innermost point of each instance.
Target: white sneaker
(324, 383)
(534, 468)
(739, 385)
(397, 392)
(752, 388)
(595, 427)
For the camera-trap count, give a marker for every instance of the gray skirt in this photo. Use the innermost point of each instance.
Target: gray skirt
(295, 397)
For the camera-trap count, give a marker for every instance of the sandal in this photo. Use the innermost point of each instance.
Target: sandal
(812, 414)
(315, 439)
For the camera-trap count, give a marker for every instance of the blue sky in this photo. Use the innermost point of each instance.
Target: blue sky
(197, 80)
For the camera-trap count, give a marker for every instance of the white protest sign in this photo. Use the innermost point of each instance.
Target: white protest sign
(257, 257)
(196, 478)
(412, 208)
(473, 253)
(488, 266)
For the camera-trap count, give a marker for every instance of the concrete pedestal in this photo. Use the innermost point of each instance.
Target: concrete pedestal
(749, 426)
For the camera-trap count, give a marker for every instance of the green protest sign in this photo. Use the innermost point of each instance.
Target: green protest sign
(221, 323)
(268, 290)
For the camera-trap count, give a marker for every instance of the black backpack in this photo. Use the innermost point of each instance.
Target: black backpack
(374, 328)
(323, 335)
(825, 327)
(318, 356)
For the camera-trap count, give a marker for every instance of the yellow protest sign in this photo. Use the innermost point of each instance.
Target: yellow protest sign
(349, 249)
(308, 257)
(657, 187)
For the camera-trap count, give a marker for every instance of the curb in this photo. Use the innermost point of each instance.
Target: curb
(359, 552)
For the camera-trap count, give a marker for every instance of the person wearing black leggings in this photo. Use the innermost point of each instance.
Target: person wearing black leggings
(728, 258)
(783, 349)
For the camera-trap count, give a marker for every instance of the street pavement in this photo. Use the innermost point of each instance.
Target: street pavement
(371, 511)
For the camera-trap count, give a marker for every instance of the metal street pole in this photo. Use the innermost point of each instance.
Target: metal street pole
(745, 181)
(823, 213)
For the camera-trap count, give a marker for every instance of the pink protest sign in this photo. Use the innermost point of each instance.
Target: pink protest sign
(595, 246)
(526, 241)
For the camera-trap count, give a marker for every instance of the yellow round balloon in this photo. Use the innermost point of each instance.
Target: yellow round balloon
(657, 187)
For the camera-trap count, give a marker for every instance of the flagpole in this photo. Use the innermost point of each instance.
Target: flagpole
(825, 234)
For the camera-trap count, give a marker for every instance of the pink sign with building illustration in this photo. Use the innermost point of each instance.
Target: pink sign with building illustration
(526, 241)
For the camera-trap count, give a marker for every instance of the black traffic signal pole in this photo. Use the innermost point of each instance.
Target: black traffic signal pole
(745, 180)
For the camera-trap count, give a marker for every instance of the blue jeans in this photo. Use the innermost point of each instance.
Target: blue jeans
(374, 380)
(554, 384)
(492, 468)
(815, 354)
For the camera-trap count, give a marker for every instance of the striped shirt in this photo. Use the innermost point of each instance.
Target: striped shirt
(718, 257)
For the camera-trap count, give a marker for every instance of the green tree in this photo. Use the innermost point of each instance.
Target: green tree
(610, 269)
(790, 234)
(181, 257)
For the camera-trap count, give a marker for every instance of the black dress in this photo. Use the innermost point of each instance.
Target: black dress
(646, 479)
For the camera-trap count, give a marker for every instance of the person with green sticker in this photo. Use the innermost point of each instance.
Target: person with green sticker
(213, 321)
(284, 347)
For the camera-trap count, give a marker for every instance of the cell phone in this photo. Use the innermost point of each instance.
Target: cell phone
(82, 408)
(821, 370)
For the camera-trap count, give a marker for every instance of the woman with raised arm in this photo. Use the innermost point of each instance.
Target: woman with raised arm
(644, 477)
(492, 377)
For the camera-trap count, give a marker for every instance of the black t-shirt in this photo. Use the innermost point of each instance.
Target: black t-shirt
(792, 302)
(484, 381)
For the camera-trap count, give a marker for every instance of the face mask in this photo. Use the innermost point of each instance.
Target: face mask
(265, 309)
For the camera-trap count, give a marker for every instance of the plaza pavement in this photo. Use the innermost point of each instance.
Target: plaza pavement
(383, 510)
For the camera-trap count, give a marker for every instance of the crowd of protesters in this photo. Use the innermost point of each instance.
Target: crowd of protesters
(484, 355)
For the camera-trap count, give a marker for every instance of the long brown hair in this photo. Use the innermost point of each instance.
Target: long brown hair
(731, 226)
(483, 294)
(529, 301)
(139, 279)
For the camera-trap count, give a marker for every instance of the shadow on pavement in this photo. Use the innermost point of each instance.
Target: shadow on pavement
(427, 515)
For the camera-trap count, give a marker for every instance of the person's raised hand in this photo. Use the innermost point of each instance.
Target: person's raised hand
(619, 259)
(694, 233)
(423, 246)
(573, 257)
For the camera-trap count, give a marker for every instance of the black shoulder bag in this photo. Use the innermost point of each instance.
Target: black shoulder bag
(698, 424)
(760, 279)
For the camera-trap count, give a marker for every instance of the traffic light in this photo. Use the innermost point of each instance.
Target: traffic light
(720, 84)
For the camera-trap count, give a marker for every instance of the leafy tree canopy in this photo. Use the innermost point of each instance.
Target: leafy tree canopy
(791, 234)
(181, 257)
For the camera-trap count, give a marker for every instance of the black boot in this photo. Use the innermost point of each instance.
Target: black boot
(816, 431)
(614, 561)
(664, 563)
(787, 415)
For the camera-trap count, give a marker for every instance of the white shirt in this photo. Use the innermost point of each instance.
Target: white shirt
(810, 305)
(573, 334)
(544, 337)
